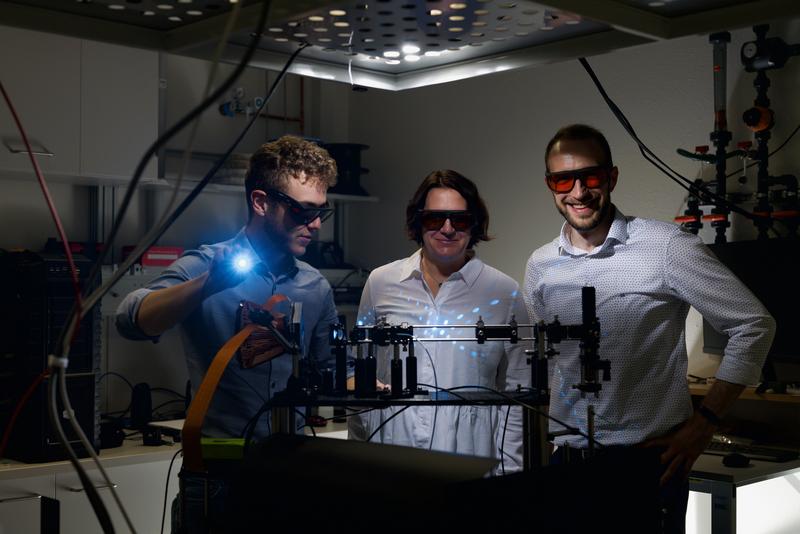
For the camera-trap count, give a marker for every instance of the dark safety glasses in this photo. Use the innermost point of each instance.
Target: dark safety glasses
(301, 214)
(592, 177)
(461, 221)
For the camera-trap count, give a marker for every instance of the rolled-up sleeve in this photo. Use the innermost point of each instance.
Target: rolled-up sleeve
(699, 278)
(192, 264)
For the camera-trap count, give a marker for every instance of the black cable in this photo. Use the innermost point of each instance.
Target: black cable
(173, 401)
(112, 373)
(172, 391)
(313, 432)
(153, 150)
(572, 429)
(395, 414)
(755, 161)
(503, 442)
(436, 385)
(210, 174)
(166, 489)
(91, 492)
(650, 156)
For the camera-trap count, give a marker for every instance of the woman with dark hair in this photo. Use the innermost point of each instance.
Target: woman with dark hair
(445, 283)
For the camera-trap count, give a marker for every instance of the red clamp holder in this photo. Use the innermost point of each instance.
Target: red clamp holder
(683, 219)
(715, 217)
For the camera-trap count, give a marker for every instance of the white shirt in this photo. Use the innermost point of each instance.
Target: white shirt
(398, 292)
(646, 275)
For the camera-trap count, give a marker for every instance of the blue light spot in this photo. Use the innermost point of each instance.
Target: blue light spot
(475, 309)
(420, 317)
(495, 302)
(461, 347)
(514, 293)
(473, 354)
(360, 323)
(426, 306)
(446, 321)
(460, 316)
(441, 332)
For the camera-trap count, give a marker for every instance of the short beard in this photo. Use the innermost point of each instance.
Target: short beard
(592, 223)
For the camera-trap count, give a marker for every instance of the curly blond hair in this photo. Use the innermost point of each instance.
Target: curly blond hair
(290, 157)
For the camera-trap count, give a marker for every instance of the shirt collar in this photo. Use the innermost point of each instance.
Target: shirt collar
(468, 273)
(288, 268)
(617, 233)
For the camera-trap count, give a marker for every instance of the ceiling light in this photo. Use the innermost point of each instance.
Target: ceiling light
(458, 5)
(410, 49)
(337, 12)
(175, 19)
(194, 12)
(116, 7)
(391, 54)
(433, 53)
(276, 30)
(412, 58)
(456, 18)
(435, 12)
(316, 18)
(341, 24)
(165, 7)
(455, 30)
(392, 61)
(149, 13)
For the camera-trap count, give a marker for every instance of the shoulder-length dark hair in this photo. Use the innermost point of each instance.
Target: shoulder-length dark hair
(464, 187)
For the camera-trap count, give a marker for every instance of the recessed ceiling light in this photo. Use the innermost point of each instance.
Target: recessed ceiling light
(300, 35)
(455, 30)
(345, 35)
(656, 4)
(184, 1)
(391, 53)
(458, 5)
(194, 12)
(456, 18)
(149, 13)
(412, 58)
(341, 24)
(481, 11)
(546, 28)
(316, 18)
(282, 39)
(116, 7)
(572, 22)
(392, 61)
(435, 12)
(433, 53)
(165, 7)
(275, 29)
(175, 19)
(410, 49)
(324, 40)
(320, 30)
(337, 12)
(479, 23)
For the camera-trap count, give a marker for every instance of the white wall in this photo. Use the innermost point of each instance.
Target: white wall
(494, 129)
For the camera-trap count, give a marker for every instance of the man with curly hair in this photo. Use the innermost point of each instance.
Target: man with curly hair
(286, 191)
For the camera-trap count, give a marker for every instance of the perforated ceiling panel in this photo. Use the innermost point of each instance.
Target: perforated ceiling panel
(395, 44)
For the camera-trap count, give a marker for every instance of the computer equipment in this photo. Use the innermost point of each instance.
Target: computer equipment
(36, 295)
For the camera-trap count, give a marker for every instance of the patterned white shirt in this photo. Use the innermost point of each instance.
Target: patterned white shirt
(646, 274)
(398, 292)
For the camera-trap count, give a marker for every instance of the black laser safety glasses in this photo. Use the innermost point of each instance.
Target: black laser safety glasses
(461, 221)
(301, 214)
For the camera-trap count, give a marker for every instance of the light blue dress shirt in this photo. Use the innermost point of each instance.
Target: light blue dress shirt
(398, 292)
(241, 391)
(647, 273)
